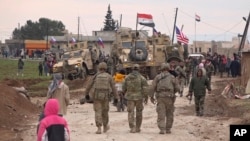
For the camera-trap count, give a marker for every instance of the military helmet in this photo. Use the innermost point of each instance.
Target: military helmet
(136, 67)
(165, 66)
(102, 65)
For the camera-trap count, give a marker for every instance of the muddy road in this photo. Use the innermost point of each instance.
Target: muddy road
(186, 127)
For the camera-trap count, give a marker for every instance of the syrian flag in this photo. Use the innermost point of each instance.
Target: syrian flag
(181, 37)
(52, 40)
(197, 18)
(100, 42)
(145, 19)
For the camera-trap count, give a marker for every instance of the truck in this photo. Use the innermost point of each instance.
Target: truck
(77, 61)
(130, 48)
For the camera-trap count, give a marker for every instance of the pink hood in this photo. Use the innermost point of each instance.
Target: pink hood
(51, 107)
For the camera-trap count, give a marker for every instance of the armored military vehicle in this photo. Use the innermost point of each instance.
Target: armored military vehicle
(78, 62)
(132, 48)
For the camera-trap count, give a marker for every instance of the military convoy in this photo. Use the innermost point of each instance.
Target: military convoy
(131, 48)
(77, 62)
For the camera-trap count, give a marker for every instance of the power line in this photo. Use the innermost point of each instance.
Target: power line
(213, 26)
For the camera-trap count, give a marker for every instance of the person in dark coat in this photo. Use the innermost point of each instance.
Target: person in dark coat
(198, 86)
(235, 67)
(40, 68)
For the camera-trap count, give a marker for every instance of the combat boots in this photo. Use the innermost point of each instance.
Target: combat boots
(138, 130)
(132, 130)
(99, 130)
(162, 132)
(168, 131)
(106, 128)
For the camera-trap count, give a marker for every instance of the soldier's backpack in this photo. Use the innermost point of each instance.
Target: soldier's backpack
(164, 84)
(134, 83)
(101, 86)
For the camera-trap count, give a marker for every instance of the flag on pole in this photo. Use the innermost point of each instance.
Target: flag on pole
(100, 42)
(180, 36)
(155, 32)
(145, 19)
(52, 40)
(73, 40)
(197, 18)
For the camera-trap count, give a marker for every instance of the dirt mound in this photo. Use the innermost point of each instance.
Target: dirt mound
(13, 106)
(12, 82)
(217, 105)
(15, 111)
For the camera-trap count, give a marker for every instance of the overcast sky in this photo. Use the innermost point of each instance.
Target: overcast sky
(220, 19)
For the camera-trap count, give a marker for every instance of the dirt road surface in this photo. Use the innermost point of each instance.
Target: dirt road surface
(186, 127)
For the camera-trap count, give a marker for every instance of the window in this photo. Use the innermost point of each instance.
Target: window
(191, 50)
(126, 44)
(140, 43)
(200, 49)
(195, 50)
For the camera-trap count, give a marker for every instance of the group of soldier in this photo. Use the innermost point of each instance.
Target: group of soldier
(172, 79)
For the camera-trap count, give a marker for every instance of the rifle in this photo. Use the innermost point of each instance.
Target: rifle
(189, 97)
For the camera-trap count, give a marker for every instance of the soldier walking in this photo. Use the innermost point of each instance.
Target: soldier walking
(164, 87)
(188, 71)
(181, 76)
(101, 82)
(135, 87)
(198, 86)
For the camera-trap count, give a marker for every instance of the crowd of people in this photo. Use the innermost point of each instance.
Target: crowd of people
(194, 73)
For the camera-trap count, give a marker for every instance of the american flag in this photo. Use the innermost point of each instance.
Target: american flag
(155, 32)
(181, 37)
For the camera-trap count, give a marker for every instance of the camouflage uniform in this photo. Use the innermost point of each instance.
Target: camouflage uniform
(181, 77)
(135, 86)
(188, 70)
(164, 87)
(65, 68)
(198, 85)
(209, 70)
(102, 83)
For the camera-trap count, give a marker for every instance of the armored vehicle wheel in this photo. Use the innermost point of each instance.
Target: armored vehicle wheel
(138, 54)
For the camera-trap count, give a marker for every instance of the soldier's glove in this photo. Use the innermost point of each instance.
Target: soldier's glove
(115, 101)
(152, 100)
(189, 97)
(87, 97)
(82, 100)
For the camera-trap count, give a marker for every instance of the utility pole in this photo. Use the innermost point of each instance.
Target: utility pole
(78, 29)
(243, 39)
(120, 20)
(174, 26)
(47, 38)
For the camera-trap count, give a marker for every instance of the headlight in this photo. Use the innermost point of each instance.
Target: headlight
(125, 60)
(76, 66)
(149, 58)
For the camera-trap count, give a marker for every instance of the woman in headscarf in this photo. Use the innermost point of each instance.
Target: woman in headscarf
(60, 91)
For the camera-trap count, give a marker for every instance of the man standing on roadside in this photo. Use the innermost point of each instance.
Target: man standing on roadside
(135, 88)
(20, 66)
(164, 87)
(101, 83)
